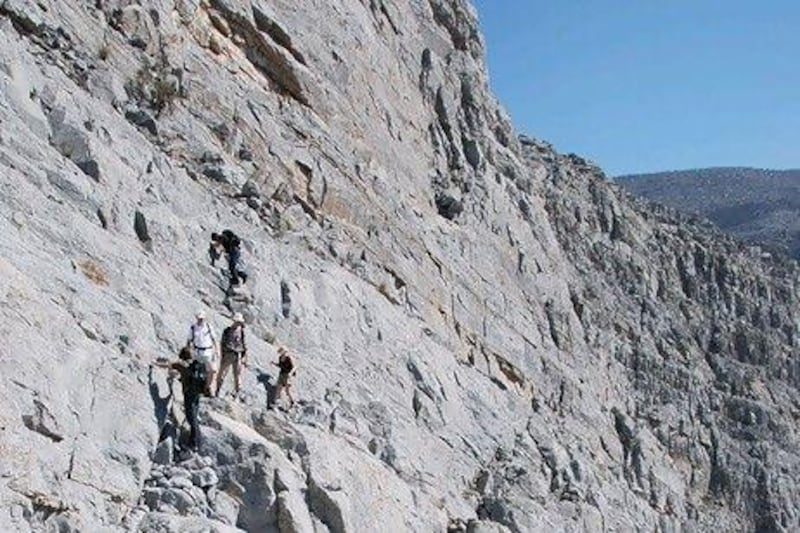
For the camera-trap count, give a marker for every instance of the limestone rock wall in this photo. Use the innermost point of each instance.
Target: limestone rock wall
(490, 337)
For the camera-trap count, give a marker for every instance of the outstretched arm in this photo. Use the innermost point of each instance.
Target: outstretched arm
(213, 253)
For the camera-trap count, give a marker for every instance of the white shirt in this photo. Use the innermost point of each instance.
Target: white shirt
(201, 336)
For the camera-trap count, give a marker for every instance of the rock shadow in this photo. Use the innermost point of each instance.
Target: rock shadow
(269, 387)
(161, 405)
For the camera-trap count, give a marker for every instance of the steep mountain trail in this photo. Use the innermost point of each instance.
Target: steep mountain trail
(490, 337)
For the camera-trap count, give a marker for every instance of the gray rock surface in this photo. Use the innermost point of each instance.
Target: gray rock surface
(548, 356)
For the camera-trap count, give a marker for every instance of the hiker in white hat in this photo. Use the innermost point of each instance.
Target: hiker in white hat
(234, 352)
(203, 344)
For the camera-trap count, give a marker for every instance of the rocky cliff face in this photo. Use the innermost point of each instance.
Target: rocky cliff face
(490, 337)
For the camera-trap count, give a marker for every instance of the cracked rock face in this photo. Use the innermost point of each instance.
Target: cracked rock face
(489, 336)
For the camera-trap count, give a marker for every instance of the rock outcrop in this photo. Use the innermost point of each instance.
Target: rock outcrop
(490, 337)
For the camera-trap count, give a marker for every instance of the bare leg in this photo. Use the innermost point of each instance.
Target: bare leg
(278, 393)
(289, 395)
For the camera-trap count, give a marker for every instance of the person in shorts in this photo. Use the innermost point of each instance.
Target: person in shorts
(205, 349)
(287, 371)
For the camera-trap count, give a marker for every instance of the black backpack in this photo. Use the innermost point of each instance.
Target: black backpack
(230, 240)
(285, 365)
(228, 338)
(197, 376)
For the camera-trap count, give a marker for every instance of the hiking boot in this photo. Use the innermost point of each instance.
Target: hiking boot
(185, 455)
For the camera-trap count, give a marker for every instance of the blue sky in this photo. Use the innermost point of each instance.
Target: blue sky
(650, 85)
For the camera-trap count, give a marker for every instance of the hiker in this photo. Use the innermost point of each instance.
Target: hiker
(204, 343)
(234, 353)
(228, 242)
(286, 364)
(193, 380)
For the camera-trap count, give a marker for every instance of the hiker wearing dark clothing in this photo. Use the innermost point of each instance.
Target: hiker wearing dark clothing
(229, 243)
(287, 370)
(193, 380)
(234, 352)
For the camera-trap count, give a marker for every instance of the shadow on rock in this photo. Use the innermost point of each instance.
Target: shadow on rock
(160, 404)
(269, 387)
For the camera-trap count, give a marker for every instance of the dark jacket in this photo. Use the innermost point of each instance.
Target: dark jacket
(230, 343)
(192, 375)
(285, 364)
(230, 241)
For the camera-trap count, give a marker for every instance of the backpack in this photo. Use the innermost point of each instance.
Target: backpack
(230, 240)
(286, 365)
(207, 329)
(229, 339)
(197, 376)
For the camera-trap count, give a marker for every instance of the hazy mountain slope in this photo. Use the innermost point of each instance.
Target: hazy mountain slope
(759, 206)
(490, 336)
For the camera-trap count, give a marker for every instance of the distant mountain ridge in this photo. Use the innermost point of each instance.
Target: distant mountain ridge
(757, 205)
